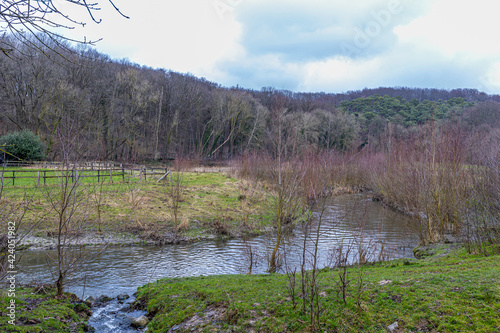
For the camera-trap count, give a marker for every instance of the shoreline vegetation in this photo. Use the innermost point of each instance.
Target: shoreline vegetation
(445, 290)
(213, 204)
(39, 309)
(450, 291)
(453, 290)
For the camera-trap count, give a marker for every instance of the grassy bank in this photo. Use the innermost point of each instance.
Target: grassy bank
(38, 310)
(452, 292)
(203, 204)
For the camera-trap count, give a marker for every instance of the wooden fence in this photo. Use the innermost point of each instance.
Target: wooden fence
(42, 173)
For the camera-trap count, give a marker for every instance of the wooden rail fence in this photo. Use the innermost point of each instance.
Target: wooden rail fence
(100, 171)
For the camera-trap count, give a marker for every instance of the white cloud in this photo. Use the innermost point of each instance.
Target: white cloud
(186, 36)
(339, 74)
(456, 28)
(300, 45)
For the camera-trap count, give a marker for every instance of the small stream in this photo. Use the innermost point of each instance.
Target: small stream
(349, 220)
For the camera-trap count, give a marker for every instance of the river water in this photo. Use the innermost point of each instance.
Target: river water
(351, 221)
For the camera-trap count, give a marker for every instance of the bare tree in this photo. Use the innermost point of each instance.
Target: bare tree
(37, 18)
(68, 200)
(175, 190)
(286, 181)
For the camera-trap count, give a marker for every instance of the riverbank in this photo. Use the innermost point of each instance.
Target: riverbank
(445, 291)
(449, 291)
(37, 309)
(196, 206)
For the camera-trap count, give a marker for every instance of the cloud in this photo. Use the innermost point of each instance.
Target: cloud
(456, 28)
(338, 46)
(302, 31)
(314, 45)
(264, 71)
(407, 65)
(186, 36)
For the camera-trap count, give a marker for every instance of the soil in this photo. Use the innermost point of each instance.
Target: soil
(37, 242)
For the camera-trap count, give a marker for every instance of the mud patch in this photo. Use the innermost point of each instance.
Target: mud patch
(96, 239)
(211, 316)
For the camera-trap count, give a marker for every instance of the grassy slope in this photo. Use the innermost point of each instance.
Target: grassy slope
(453, 293)
(38, 311)
(147, 206)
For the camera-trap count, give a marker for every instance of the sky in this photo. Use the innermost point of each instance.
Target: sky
(328, 46)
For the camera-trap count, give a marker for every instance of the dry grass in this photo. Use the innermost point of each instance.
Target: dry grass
(206, 197)
(184, 225)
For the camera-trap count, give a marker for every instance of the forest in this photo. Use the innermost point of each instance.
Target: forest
(108, 109)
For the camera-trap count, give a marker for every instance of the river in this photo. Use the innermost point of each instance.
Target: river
(353, 221)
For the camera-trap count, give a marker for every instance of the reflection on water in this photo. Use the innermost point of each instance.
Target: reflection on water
(349, 219)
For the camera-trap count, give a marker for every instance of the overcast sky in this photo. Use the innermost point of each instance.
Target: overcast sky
(314, 45)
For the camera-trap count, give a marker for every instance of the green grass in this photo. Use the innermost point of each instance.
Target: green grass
(38, 311)
(147, 205)
(455, 293)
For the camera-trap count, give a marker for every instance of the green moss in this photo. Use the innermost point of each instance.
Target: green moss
(43, 312)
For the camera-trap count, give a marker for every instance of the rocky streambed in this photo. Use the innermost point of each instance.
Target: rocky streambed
(118, 314)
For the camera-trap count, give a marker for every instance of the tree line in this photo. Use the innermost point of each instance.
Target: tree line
(83, 103)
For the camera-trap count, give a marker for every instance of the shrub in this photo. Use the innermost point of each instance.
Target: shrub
(24, 145)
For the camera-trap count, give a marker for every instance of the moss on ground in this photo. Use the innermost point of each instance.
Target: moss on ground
(38, 310)
(452, 293)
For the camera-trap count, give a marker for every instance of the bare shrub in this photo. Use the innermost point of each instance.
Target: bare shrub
(425, 175)
(221, 227)
(68, 200)
(252, 257)
(340, 259)
(175, 188)
(134, 197)
(481, 209)
(184, 225)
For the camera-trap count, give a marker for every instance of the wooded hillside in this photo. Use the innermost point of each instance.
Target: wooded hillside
(85, 104)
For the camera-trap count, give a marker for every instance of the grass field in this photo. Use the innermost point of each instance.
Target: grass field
(203, 204)
(453, 293)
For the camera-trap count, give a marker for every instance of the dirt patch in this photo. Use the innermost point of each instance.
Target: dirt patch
(131, 237)
(211, 316)
(435, 250)
(425, 326)
(396, 298)
(88, 239)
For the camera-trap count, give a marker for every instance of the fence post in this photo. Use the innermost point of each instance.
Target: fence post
(38, 182)
(44, 177)
(98, 175)
(145, 173)
(13, 178)
(110, 175)
(123, 173)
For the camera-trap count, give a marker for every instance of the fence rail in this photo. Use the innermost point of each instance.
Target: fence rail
(40, 173)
